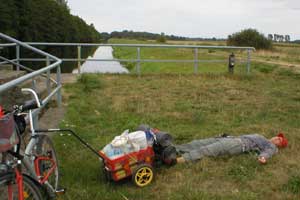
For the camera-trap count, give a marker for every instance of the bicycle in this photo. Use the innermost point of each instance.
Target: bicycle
(33, 173)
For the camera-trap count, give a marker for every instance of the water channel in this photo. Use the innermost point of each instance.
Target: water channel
(102, 66)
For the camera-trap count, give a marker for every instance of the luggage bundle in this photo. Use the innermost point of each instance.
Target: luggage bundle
(162, 145)
(8, 132)
(142, 138)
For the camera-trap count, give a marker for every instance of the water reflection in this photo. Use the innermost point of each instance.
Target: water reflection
(102, 66)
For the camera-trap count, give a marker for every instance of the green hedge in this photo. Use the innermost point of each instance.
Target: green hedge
(249, 37)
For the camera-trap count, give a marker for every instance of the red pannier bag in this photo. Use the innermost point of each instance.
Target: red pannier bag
(8, 133)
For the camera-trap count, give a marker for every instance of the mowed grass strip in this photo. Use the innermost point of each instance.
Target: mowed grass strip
(284, 54)
(189, 107)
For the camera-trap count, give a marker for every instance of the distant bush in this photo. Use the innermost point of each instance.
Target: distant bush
(161, 38)
(249, 37)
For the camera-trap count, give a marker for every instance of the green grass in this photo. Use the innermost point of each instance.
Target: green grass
(170, 97)
(189, 107)
(293, 185)
(175, 54)
(281, 54)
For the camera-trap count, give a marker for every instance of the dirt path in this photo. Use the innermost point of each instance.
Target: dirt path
(294, 67)
(53, 116)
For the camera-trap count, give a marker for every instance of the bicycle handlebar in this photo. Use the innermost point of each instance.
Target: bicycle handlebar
(29, 105)
(36, 98)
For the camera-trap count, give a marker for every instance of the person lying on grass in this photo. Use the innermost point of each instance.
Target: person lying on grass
(231, 145)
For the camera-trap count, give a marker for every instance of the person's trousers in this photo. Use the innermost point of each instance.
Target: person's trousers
(214, 147)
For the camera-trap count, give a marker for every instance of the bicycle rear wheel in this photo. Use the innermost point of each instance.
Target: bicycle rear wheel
(9, 188)
(45, 148)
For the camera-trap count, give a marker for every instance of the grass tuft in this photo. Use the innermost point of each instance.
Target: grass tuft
(89, 82)
(293, 185)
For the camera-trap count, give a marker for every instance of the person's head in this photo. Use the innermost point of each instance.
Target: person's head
(279, 140)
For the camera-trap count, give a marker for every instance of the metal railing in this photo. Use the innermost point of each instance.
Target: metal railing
(138, 60)
(32, 75)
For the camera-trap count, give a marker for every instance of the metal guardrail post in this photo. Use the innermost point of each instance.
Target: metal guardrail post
(196, 60)
(48, 82)
(248, 60)
(33, 82)
(58, 80)
(138, 64)
(18, 56)
(78, 58)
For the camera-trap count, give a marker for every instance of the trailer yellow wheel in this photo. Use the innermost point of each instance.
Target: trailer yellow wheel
(143, 175)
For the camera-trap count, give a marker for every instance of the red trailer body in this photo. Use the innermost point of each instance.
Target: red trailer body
(128, 164)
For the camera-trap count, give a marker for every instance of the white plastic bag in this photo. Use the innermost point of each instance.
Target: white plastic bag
(120, 140)
(138, 140)
(126, 143)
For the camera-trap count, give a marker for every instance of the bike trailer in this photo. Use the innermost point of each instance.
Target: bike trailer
(130, 154)
(138, 164)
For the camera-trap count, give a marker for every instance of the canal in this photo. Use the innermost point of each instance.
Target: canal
(103, 52)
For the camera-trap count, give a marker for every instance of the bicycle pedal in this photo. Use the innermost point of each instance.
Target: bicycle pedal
(60, 191)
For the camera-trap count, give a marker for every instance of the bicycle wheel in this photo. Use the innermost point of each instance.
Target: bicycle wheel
(9, 188)
(45, 148)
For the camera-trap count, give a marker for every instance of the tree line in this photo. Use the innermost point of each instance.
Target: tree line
(44, 20)
(149, 36)
(279, 38)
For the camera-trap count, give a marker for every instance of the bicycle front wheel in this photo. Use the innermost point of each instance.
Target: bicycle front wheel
(9, 188)
(45, 148)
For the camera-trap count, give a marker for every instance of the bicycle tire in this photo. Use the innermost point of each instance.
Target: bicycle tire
(31, 190)
(44, 148)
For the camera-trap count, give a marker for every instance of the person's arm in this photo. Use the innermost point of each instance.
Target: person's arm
(262, 160)
(266, 154)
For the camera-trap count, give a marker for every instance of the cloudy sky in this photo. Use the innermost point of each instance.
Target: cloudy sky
(192, 18)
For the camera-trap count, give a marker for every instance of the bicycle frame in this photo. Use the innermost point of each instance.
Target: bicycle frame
(31, 162)
(19, 181)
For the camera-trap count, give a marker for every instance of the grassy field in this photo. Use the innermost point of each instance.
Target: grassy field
(287, 55)
(177, 54)
(281, 52)
(189, 107)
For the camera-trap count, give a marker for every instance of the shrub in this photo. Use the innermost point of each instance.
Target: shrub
(249, 37)
(161, 38)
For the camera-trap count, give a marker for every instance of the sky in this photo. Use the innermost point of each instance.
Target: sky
(191, 18)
